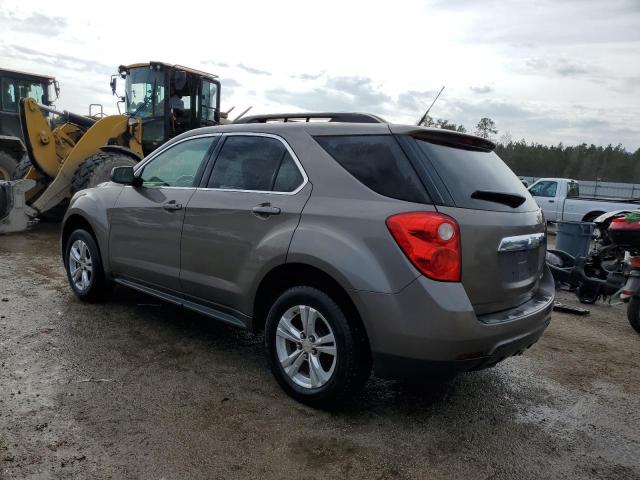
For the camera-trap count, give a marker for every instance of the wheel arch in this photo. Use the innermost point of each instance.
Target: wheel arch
(76, 220)
(592, 215)
(288, 275)
(12, 146)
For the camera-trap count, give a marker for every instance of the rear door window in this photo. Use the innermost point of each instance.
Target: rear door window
(466, 172)
(255, 163)
(378, 162)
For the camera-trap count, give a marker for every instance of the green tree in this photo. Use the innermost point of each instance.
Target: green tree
(486, 128)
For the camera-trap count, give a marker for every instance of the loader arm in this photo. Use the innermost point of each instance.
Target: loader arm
(56, 154)
(99, 135)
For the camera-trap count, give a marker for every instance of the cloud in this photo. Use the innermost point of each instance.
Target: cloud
(350, 93)
(558, 66)
(414, 101)
(481, 90)
(36, 23)
(309, 76)
(56, 60)
(252, 70)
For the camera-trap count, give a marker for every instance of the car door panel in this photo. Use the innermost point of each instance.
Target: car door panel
(238, 227)
(145, 233)
(226, 245)
(146, 222)
(544, 194)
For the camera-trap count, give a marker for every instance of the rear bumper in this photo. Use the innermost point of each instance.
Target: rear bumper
(431, 328)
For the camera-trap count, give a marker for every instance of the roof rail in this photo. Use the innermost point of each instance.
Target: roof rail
(343, 117)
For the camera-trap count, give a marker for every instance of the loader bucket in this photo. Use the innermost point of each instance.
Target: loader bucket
(15, 214)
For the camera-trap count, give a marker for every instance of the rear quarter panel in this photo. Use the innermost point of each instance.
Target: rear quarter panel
(342, 229)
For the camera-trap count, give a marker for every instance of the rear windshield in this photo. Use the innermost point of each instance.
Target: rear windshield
(378, 162)
(465, 172)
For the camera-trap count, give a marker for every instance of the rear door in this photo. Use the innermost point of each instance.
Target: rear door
(501, 227)
(240, 222)
(146, 222)
(545, 193)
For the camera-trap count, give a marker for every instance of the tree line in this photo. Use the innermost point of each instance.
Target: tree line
(581, 162)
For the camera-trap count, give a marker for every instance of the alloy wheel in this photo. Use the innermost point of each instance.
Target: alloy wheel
(306, 346)
(80, 265)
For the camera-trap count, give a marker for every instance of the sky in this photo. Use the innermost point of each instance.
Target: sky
(547, 71)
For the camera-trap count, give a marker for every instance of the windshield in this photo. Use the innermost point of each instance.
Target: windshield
(14, 90)
(145, 92)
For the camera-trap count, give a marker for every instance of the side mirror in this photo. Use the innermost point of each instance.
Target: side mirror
(123, 175)
(113, 83)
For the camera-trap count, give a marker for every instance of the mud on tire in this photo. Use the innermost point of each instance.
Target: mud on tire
(97, 169)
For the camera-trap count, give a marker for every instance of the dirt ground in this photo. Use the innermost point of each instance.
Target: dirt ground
(138, 389)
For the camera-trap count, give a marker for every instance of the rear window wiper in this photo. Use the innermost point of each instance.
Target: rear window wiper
(510, 199)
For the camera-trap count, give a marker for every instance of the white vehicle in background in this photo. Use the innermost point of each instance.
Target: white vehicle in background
(560, 200)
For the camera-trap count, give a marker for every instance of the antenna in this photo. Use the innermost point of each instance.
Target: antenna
(429, 109)
(242, 114)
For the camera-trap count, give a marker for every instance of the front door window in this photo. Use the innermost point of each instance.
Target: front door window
(178, 165)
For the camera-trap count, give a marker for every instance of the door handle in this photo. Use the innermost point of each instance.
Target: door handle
(265, 210)
(551, 201)
(172, 205)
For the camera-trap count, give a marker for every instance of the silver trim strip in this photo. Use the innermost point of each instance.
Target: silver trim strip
(140, 165)
(305, 178)
(522, 242)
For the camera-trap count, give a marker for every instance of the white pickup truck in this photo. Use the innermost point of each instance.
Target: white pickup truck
(560, 199)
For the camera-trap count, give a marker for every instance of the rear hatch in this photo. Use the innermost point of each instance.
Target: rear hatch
(502, 229)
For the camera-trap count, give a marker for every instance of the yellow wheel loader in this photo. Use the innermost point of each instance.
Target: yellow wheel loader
(160, 101)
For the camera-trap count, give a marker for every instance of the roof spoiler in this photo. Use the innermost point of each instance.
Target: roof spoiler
(446, 137)
(341, 117)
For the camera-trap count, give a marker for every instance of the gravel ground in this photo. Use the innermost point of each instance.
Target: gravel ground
(138, 389)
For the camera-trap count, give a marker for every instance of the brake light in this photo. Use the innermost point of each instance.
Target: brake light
(431, 241)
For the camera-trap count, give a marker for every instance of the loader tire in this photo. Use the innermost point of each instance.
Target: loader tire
(21, 170)
(7, 166)
(97, 169)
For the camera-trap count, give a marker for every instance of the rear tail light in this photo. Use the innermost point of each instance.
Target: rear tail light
(431, 241)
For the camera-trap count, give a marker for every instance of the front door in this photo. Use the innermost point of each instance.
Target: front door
(544, 194)
(242, 222)
(146, 222)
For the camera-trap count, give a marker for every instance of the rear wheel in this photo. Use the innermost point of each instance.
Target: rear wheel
(97, 169)
(315, 353)
(7, 166)
(633, 314)
(21, 169)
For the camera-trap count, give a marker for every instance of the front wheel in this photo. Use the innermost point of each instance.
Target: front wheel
(633, 313)
(84, 267)
(316, 355)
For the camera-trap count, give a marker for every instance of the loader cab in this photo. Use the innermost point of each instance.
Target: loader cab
(15, 85)
(169, 100)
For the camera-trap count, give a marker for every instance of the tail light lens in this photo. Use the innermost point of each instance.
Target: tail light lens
(431, 241)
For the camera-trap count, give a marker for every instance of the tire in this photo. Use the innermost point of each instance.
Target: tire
(97, 169)
(7, 166)
(22, 168)
(633, 313)
(96, 287)
(339, 376)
